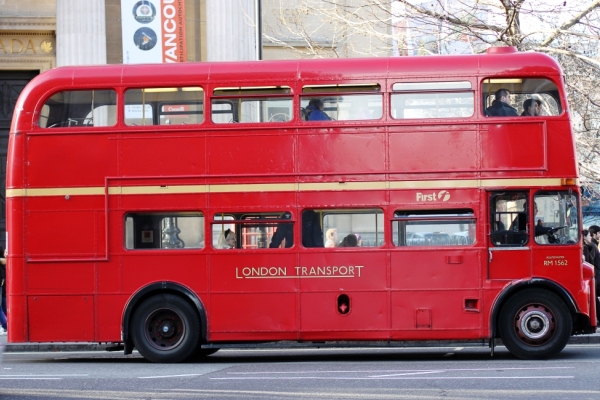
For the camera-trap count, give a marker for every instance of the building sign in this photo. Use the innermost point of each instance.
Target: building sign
(153, 31)
(27, 45)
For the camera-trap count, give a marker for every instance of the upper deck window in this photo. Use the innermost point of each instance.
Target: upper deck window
(164, 106)
(351, 102)
(428, 100)
(527, 97)
(252, 104)
(79, 108)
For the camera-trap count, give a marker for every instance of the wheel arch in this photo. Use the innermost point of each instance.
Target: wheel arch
(154, 289)
(535, 283)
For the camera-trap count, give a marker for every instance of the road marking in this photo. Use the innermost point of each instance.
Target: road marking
(167, 376)
(397, 378)
(44, 375)
(398, 370)
(7, 378)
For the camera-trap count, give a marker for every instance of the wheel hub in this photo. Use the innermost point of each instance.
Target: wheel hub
(165, 329)
(535, 324)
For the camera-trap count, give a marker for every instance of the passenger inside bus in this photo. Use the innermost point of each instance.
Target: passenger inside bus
(315, 110)
(532, 108)
(227, 240)
(332, 238)
(284, 233)
(501, 105)
(312, 234)
(350, 241)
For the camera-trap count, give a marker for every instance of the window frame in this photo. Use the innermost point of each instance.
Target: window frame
(444, 216)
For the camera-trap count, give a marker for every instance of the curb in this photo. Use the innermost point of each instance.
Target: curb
(74, 347)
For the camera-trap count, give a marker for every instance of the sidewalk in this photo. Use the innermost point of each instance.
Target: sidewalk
(58, 347)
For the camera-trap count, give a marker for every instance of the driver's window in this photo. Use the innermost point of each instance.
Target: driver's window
(556, 219)
(509, 217)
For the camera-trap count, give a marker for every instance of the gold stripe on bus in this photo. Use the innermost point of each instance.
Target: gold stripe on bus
(522, 182)
(176, 189)
(288, 187)
(254, 187)
(44, 192)
(307, 187)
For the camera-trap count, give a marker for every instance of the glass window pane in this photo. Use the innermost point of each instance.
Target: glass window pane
(252, 110)
(432, 105)
(164, 231)
(510, 216)
(352, 107)
(352, 228)
(164, 106)
(434, 228)
(253, 231)
(556, 219)
(81, 108)
(528, 97)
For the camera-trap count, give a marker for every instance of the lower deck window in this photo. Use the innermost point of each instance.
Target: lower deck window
(164, 231)
(268, 230)
(434, 228)
(556, 220)
(352, 228)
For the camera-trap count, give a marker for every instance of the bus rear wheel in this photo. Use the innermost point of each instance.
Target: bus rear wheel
(165, 329)
(535, 324)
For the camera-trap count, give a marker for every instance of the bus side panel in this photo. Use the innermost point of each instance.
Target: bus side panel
(514, 147)
(328, 151)
(435, 314)
(61, 318)
(110, 310)
(253, 295)
(253, 153)
(141, 267)
(65, 227)
(164, 155)
(61, 278)
(562, 155)
(71, 160)
(322, 317)
(437, 290)
(412, 149)
(344, 291)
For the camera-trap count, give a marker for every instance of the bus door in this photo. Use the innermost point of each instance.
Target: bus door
(343, 275)
(509, 253)
(435, 272)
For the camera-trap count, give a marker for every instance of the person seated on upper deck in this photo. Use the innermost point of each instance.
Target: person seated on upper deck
(315, 110)
(532, 108)
(501, 105)
(226, 240)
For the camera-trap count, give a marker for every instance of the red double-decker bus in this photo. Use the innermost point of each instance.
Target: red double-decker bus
(182, 208)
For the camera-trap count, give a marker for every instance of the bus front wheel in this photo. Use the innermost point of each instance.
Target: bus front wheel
(166, 329)
(535, 324)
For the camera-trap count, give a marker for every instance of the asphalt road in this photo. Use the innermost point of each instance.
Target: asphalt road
(417, 373)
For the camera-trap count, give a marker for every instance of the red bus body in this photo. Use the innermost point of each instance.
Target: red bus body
(71, 279)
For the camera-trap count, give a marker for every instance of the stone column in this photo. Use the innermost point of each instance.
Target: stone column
(80, 32)
(231, 30)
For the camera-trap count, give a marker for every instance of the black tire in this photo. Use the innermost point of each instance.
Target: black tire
(166, 329)
(535, 324)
